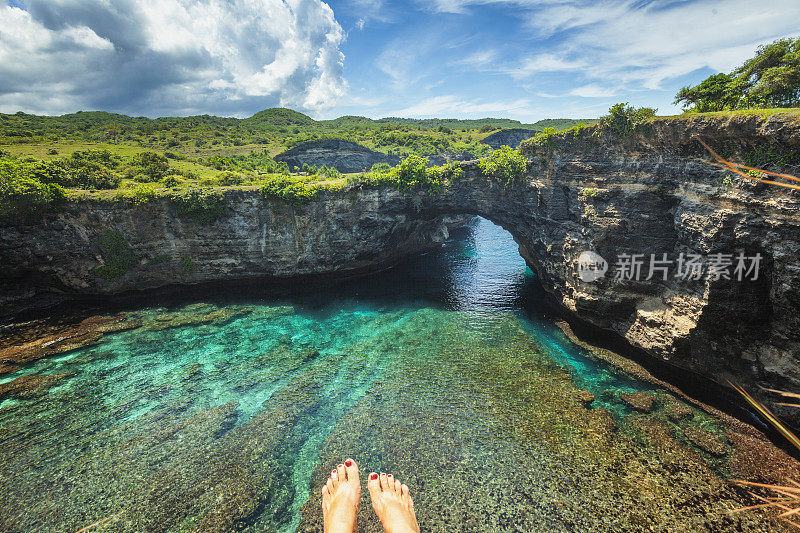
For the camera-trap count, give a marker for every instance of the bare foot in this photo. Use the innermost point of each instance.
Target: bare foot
(392, 503)
(340, 497)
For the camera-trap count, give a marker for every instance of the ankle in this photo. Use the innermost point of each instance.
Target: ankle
(398, 528)
(341, 526)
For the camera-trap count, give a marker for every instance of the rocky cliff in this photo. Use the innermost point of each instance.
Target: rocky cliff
(648, 194)
(344, 156)
(109, 246)
(509, 137)
(654, 194)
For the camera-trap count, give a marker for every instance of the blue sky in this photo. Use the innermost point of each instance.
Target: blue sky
(523, 59)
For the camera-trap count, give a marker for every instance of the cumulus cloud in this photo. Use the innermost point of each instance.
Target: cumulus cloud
(170, 56)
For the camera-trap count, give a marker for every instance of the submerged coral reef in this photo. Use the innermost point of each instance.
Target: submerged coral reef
(227, 418)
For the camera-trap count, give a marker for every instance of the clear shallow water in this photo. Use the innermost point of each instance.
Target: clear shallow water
(443, 371)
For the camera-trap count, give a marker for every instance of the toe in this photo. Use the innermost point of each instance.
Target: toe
(326, 498)
(334, 479)
(331, 488)
(384, 482)
(390, 482)
(374, 485)
(398, 487)
(404, 490)
(342, 473)
(351, 468)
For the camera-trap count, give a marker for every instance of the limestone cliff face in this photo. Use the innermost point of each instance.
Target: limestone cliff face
(106, 247)
(650, 194)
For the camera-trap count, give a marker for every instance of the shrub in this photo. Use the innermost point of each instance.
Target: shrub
(505, 164)
(380, 168)
(187, 266)
(329, 173)
(623, 119)
(89, 169)
(28, 198)
(173, 180)
(230, 179)
(144, 194)
(209, 182)
(544, 138)
(147, 166)
(118, 256)
(289, 190)
(412, 173)
(770, 156)
(203, 206)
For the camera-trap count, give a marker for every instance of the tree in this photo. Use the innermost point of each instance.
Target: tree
(770, 79)
(773, 75)
(715, 93)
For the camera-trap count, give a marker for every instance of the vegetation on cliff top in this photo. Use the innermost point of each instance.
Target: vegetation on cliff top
(45, 160)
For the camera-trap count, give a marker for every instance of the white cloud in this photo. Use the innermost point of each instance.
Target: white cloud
(640, 44)
(544, 63)
(592, 91)
(453, 105)
(644, 45)
(479, 59)
(170, 56)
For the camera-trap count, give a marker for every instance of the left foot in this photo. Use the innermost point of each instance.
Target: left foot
(340, 497)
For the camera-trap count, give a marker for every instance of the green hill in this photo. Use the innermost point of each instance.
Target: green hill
(273, 130)
(279, 116)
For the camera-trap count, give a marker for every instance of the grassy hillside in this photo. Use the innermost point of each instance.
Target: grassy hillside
(46, 160)
(273, 130)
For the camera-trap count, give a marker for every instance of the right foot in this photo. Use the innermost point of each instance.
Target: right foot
(340, 497)
(392, 503)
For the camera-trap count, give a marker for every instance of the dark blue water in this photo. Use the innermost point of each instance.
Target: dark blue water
(231, 409)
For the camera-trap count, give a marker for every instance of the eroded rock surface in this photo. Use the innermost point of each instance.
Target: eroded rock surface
(344, 156)
(509, 137)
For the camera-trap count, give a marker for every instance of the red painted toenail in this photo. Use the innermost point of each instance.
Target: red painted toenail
(333, 471)
(373, 476)
(340, 466)
(348, 463)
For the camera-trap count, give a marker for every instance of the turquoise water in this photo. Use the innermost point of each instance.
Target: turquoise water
(230, 421)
